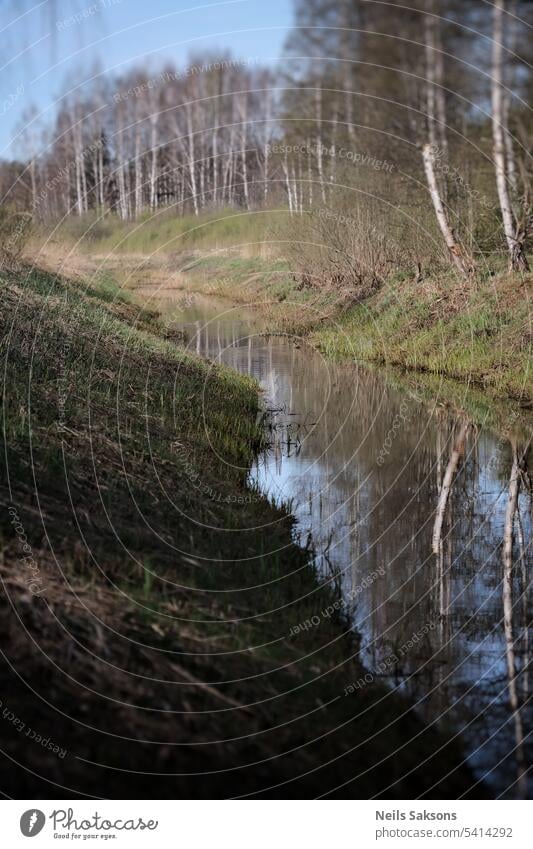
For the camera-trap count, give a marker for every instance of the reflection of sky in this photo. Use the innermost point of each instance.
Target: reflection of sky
(363, 517)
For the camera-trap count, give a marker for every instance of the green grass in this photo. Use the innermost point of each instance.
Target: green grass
(163, 232)
(480, 335)
(243, 279)
(126, 460)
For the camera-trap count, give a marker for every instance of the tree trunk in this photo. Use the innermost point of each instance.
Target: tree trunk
(462, 262)
(309, 173)
(266, 146)
(190, 155)
(138, 172)
(244, 128)
(121, 179)
(440, 95)
(430, 80)
(440, 105)
(285, 169)
(515, 245)
(214, 151)
(319, 162)
(33, 183)
(101, 172)
(435, 73)
(153, 168)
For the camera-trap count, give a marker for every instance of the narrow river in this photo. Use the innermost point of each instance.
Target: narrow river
(406, 504)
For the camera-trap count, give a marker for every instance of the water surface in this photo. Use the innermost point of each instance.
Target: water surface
(405, 503)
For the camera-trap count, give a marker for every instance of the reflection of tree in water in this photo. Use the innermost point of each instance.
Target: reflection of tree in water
(512, 610)
(444, 505)
(492, 688)
(431, 516)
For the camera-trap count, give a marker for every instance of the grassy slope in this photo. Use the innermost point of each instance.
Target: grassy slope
(120, 450)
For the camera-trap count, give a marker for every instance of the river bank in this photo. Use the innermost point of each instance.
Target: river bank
(474, 353)
(150, 595)
(478, 332)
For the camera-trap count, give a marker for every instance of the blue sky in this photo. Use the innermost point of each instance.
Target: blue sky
(41, 58)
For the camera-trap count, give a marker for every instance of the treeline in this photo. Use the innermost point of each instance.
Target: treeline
(403, 130)
(189, 138)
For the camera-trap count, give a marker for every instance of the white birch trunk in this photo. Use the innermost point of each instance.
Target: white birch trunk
(122, 194)
(512, 174)
(192, 164)
(244, 129)
(153, 161)
(435, 98)
(285, 169)
(266, 159)
(517, 257)
(138, 172)
(215, 155)
(462, 263)
(319, 161)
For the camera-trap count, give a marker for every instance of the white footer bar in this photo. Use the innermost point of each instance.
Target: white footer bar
(266, 824)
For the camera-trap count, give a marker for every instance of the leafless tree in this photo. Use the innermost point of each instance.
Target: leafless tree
(514, 235)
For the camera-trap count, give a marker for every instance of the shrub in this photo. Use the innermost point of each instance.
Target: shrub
(346, 250)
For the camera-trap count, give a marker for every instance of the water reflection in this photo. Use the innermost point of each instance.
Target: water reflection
(424, 519)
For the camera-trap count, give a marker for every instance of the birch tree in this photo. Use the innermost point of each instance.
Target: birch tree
(243, 121)
(514, 235)
(191, 155)
(461, 261)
